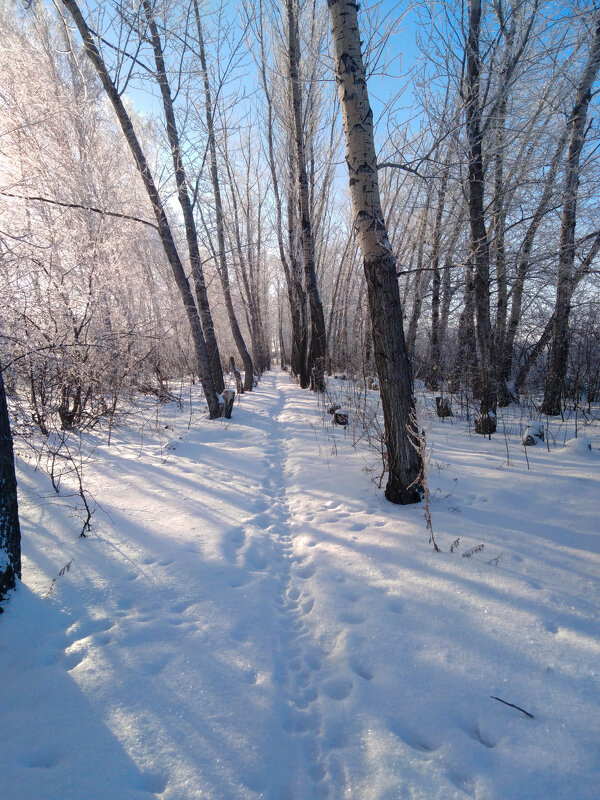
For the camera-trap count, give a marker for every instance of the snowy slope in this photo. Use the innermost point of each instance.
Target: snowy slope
(251, 619)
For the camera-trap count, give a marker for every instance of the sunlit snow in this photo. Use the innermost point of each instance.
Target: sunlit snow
(249, 618)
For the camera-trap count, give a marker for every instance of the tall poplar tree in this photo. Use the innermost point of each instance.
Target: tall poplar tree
(391, 359)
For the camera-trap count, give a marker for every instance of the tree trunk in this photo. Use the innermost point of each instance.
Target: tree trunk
(295, 290)
(506, 355)
(317, 349)
(480, 249)
(391, 359)
(10, 534)
(214, 176)
(582, 271)
(555, 380)
(185, 203)
(433, 366)
(298, 293)
(166, 236)
(421, 283)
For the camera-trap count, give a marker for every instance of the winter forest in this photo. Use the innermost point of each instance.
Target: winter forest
(299, 399)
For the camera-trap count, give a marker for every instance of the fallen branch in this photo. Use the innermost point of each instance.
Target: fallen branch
(512, 705)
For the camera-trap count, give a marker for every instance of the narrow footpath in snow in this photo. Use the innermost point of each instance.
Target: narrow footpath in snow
(249, 618)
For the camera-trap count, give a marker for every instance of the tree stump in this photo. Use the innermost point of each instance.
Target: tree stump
(485, 424)
(533, 434)
(237, 375)
(442, 407)
(228, 397)
(340, 417)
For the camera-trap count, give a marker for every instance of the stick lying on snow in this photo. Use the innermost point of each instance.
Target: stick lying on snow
(512, 705)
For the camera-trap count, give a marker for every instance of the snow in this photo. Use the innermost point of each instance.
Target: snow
(250, 618)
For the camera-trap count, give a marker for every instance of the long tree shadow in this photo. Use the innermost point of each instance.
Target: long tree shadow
(55, 744)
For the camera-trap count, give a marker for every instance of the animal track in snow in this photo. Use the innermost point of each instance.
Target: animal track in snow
(73, 658)
(306, 571)
(44, 758)
(357, 526)
(418, 740)
(351, 618)
(361, 669)
(396, 606)
(338, 688)
(477, 735)
(153, 782)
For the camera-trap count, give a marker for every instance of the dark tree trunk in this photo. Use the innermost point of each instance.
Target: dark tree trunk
(317, 348)
(185, 203)
(295, 290)
(505, 356)
(433, 367)
(10, 534)
(582, 271)
(479, 238)
(214, 175)
(164, 230)
(555, 380)
(391, 359)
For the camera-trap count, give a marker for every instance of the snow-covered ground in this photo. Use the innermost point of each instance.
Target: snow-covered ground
(249, 618)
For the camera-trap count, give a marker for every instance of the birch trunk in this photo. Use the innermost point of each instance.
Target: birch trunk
(391, 359)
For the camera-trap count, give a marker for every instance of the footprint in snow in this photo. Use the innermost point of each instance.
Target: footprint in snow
(338, 688)
(361, 669)
(396, 606)
(306, 571)
(417, 740)
(153, 782)
(44, 758)
(351, 618)
(475, 733)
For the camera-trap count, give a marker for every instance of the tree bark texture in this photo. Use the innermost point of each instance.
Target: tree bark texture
(555, 379)
(317, 347)
(164, 230)
(433, 367)
(480, 247)
(10, 534)
(391, 359)
(296, 301)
